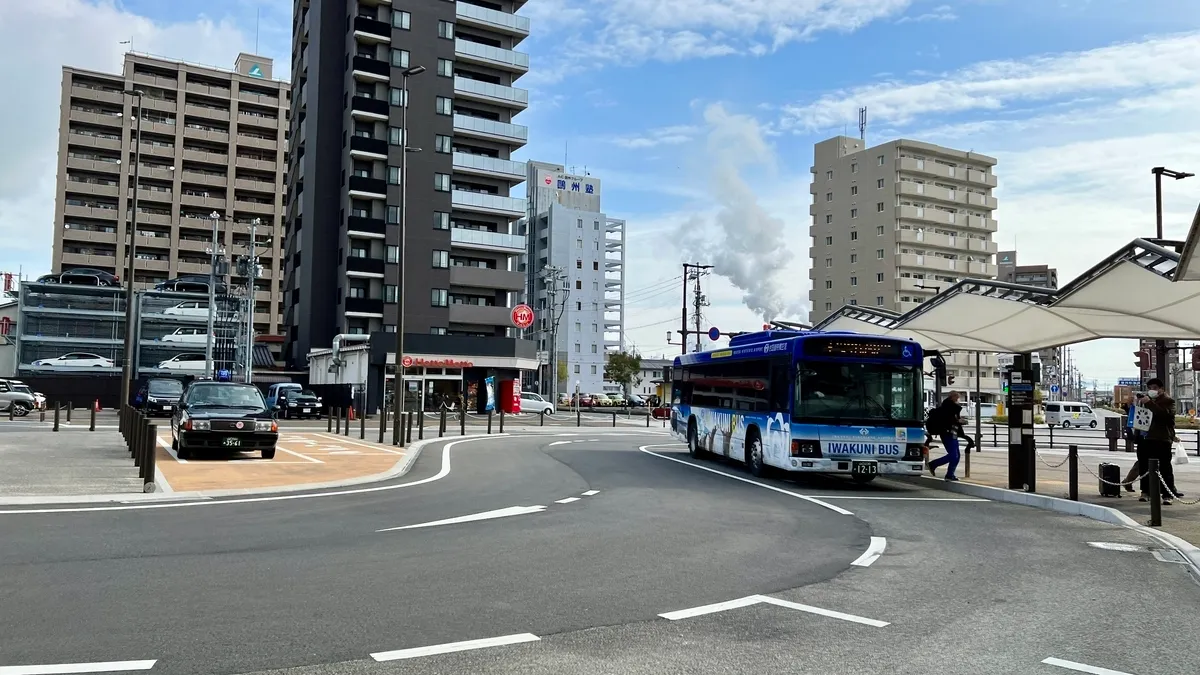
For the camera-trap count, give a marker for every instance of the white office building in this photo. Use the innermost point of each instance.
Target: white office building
(575, 273)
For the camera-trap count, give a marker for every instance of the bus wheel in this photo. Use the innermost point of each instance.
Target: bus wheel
(754, 456)
(863, 479)
(693, 443)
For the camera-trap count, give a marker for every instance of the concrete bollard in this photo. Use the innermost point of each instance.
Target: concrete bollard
(347, 421)
(149, 464)
(401, 420)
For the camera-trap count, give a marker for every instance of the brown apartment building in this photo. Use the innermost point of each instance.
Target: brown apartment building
(212, 140)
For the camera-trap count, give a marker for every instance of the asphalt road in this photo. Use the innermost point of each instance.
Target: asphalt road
(308, 583)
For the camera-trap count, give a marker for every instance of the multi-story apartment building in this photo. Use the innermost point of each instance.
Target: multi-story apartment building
(573, 244)
(895, 224)
(344, 256)
(212, 140)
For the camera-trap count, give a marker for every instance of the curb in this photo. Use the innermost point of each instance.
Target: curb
(1106, 514)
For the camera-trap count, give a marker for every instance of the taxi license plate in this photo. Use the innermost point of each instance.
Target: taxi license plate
(231, 442)
(307, 410)
(167, 408)
(864, 468)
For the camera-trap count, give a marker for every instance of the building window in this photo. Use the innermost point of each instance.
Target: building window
(579, 305)
(853, 281)
(879, 301)
(577, 369)
(595, 225)
(854, 236)
(440, 297)
(390, 292)
(854, 168)
(579, 223)
(879, 207)
(445, 68)
(828, 175)
(578, 264)
(879, 184)
(593, 367)
(828, 218)
(441, 220)
(395, 136)
(358, 292)
(445, 106)
(393, 254)
(879, 231)
(401, 20)
(578, 285)
(396, 97)
(853, 190)
(437, 330)
(578, 243)
(879, 253)
(881, 160)
(442, 144)
(393, 175)
(828, 196)
(577, 349)
(828, 284)
(578, 327)
(829, 262)
(441, 182)
(441, 259)
(829, 241)
(853, 258)
(853, 213)
(595, 285)
(595, 266)
(389, 328)
(595, 328)
(828, 306)
(393, 214)
(446, 30)
(595, 350)
(879, 277)
(400, 58)
(853, 301)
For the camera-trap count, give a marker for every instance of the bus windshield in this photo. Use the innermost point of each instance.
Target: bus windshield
(858, 393)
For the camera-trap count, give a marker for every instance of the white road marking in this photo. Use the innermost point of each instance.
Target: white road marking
(1081, 667)
(818, 502)
(874, 550)
(764, 599)
(1113, 546)
(167, 446)
(589, 493)
(559, 443)
(445, 471)
(904, 499)
(450, 647)
(346, 452)
(568, 500)
(373, 446)
(96, 667)
(293, 452)
(486, 515)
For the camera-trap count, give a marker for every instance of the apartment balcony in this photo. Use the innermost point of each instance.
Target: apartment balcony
(202, 202)
(937, 193)
(206, 112)
(371, 30)
(486, 92)
(492, 20)
(91, 212)
(250, 118)
(490, 167)
(962, 268)
(482, 315)
(369, 307)
(370, 188)
(493, 57)
(254, 207)
(165, 128)
(487, 241)
(206, 135)
(152, 265)
(371, 70)
(482, 277)
(491, 130)
(89, 260)
(161, 173)
(192, 267)
(368, 108)
(495, 205)
(157, 150)
(198, 178)
(910, 285)
(93, 165)
(938, 240)
(144, 218)
(93, 189)
(261, 99)
(194, 245)
(155, 81)
(364, 267)
(207, 90)
(939, 170)
(366, 228)
(246, 141)
(371, 148)
(259, 164)
(256, 185)
(98, 95)
(205, 156)
(116, 120)
(982, 246)
(91, 141)
(70, 234)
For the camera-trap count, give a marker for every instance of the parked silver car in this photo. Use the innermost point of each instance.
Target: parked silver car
(16, 398)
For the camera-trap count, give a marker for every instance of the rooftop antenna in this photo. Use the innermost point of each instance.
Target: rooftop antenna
(257, 20)
(862, 125)
(127, 42)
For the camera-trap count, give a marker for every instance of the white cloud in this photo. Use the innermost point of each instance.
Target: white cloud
(36, 40)
(939, 13)
(672, 135)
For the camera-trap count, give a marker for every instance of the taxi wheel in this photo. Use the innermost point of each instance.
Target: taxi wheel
(268, 453)
(183, 452)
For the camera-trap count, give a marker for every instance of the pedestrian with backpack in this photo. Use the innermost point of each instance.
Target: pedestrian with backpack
(943, 421)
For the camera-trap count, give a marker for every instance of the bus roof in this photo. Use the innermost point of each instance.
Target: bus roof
(763, 343)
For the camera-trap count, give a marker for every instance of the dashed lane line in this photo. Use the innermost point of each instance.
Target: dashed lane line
(1082, 667)
(67, 668)
(450, 647)
(876, 548)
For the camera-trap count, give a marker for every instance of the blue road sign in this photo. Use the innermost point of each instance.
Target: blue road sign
(714, 334)
(1054, 389)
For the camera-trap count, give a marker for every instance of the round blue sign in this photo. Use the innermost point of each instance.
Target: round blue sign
(714, 334)
(1054, 389)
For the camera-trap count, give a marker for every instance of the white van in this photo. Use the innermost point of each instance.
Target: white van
(1070, 414)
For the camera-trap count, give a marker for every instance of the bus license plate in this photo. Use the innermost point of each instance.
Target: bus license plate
(231, 442)
(864, 468)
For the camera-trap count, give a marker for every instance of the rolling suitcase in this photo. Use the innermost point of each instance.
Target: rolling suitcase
(1110, 476)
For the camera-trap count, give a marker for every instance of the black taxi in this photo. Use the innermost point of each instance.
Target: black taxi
(223, 416)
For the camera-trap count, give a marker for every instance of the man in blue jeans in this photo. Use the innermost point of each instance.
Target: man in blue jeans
(942, 422)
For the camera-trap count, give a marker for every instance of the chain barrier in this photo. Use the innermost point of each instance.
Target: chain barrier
(1171, 492)
(1052, 466)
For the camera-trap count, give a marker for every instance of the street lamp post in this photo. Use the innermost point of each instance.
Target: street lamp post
(400, 389)
(130, 371)
(1160, 346)
(212, 295)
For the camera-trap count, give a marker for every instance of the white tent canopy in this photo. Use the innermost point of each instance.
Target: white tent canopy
(1147, 289)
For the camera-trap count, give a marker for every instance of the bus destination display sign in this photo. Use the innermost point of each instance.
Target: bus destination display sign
(858, 348)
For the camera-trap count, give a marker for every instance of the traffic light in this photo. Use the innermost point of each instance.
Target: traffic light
(950, 380)
(1143, 360)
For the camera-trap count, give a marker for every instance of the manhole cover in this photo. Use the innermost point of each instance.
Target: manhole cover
(1114, 546)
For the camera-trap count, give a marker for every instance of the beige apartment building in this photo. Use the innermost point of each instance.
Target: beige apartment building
(212, 140)
(895, 224)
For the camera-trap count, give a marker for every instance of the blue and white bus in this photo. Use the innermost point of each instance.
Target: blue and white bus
(805, 402)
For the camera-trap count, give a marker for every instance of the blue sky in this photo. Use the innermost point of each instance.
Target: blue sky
(700, 116)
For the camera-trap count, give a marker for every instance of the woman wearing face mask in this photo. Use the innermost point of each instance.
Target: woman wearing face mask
(1156, 443)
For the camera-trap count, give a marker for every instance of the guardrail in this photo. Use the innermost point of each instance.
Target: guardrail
(142, 438)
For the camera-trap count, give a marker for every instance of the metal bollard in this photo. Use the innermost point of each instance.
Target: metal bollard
(542, 416)
(401, 419)
(69, 406)
(57, 410)
(11, 409)
(383, 415)
(346, 412)
(647, 420)
(92, 420)
(614, 419)
(995, 440)
(148, 466)
(1051, 435)
(41, 415)
(420, 425)
(579, 417)
(1155, 498)
(408, 427)
(328, 420)
(362, 427)
(502, 420)
(442, 423)
(339, 421)
(1073, 472)
(135, 441)
(462, 423)
(489, 422)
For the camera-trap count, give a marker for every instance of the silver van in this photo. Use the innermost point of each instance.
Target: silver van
(1070, 414)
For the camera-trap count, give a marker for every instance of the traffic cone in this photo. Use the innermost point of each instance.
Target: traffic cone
(351, 413)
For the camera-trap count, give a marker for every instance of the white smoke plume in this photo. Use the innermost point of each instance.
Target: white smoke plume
(743, 241)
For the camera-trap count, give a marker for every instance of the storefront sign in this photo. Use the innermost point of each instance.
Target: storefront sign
(434, 362)
(522, 316)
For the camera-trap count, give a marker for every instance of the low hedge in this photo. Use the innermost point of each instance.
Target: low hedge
(1003, 419)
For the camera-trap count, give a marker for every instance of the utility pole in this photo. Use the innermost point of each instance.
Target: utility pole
(251, 272)
(212, 294)
(692, 272)
(698, 302)
(554, 276)
(129, 368)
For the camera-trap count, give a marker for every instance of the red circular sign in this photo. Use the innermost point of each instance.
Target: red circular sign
(406, 362)
(548, 180)
(522, 316)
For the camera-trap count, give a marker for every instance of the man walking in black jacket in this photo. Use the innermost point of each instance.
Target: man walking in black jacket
(943, 422)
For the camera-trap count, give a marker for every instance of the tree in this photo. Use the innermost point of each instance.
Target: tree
(562, 371)
(624, 369)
